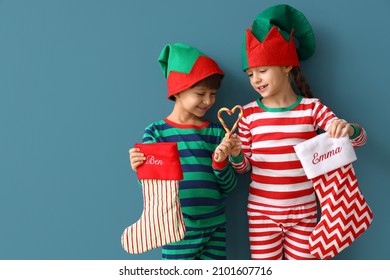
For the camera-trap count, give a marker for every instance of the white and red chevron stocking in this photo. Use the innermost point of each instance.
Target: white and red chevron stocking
(345, 212)
(161, 221)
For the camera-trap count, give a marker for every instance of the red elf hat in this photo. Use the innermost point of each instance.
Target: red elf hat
(270, 41)
(183, 66)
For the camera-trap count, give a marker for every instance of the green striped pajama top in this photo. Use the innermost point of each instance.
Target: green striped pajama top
(204, 187)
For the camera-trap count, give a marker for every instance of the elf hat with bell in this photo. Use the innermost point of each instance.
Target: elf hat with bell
(183, 66)
(270, 41)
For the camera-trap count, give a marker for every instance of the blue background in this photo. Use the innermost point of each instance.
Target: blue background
(79, 82)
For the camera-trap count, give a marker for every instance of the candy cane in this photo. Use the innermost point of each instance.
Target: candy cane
(230, 112)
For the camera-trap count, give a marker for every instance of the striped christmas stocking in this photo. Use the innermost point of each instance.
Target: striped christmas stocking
(345, 213)
(161, 221)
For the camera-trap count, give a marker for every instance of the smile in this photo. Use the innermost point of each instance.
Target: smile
(260, 88)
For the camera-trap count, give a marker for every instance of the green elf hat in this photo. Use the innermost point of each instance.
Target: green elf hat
(183, 66)
(270, 41)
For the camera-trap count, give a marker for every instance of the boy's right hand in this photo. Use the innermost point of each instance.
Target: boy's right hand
(136, 158)
(229, 146)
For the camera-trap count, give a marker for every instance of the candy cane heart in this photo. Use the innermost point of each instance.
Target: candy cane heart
(230, 112)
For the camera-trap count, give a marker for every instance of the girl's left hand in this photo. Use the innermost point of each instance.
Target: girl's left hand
(340, 128)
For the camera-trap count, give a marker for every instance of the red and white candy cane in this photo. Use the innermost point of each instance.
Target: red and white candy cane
(230, 112)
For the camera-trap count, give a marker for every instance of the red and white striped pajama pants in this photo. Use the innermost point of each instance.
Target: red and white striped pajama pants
(281, 232)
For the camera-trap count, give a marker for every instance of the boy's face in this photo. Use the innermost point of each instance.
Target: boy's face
(196, 101)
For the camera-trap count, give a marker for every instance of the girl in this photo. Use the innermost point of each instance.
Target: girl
(282, 208)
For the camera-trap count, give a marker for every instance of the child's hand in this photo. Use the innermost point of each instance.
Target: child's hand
(340, 128)
(237, 145)
(229, 146)
(136, 158)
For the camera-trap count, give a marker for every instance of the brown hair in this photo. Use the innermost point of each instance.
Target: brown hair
(299, 80)
(210, 82)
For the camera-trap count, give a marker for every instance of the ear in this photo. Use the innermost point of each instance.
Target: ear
(176, 96)
(287, 69)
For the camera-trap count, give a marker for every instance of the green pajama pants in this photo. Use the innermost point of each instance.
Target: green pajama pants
(207, 244)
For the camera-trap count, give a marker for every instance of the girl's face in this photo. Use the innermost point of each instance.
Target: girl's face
(196, 101)
(269, 81)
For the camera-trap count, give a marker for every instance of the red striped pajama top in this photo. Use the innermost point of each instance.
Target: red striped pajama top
(268, 138)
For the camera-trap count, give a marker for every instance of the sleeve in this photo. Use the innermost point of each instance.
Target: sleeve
(323, 117)
(241, 163)
(359, 138)
(149, 135)
(223, 171)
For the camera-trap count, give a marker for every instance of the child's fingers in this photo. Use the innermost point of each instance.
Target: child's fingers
(135, 152)
(135, 165)
(221, 153)
(338, 128)
(136, 158)
(216, 156)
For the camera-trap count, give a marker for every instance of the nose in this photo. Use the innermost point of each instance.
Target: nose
(208, 99)
(256, 77)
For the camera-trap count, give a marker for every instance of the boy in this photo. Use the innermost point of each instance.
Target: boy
(193, 80)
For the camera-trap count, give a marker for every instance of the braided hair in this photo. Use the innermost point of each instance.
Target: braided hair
(300, 82)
